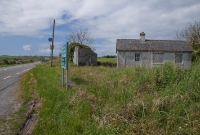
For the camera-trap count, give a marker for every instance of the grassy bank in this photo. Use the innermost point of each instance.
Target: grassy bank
(162, 100)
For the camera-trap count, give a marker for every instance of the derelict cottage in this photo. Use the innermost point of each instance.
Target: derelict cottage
(148, 53)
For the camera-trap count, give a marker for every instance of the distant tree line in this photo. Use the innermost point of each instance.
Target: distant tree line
(109, 56)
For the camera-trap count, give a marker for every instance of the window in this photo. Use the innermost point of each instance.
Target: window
(178, 58)
(137, 56)
(158, 57)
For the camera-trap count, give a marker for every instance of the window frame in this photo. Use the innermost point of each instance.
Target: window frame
(178, 60)
(138, 56)
(158, 61)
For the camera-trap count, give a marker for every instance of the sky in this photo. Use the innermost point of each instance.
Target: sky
(26, 25)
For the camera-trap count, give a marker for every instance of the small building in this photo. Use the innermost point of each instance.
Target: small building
(84, 56)
(148, 53)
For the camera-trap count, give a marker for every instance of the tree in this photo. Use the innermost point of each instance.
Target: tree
(191, 34)
(82, 36)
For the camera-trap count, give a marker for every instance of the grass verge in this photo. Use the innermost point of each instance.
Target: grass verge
(160, 100)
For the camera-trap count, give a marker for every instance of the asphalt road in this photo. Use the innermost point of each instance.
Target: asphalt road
(9, 75)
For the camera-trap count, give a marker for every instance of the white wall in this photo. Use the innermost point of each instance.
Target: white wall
(127, 59)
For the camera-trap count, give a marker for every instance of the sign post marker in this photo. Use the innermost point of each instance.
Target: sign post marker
(67, 66)
(52, 40)
(64, 63)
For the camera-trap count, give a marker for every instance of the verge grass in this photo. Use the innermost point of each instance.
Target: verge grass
(160, 100)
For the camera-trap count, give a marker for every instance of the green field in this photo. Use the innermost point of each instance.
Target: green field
(160, 100)
(107, 60)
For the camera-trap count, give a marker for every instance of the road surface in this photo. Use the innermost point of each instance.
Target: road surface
(9, 75)
(9, 94)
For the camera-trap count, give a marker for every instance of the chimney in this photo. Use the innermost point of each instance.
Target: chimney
(142, 36)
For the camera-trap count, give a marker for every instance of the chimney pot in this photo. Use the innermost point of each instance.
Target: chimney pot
(142, 36)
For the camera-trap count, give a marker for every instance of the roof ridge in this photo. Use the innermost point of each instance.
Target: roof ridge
(164, 45)
(154, 39)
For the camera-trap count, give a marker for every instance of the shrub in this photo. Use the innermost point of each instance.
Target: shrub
(5, 61)
(109, 56)
(196, 55)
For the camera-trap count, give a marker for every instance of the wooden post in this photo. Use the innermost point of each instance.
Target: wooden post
(52, 43)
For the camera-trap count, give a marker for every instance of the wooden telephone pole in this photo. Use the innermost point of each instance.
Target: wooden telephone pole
(52, 46)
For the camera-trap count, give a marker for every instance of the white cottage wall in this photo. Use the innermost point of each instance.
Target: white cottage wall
(127, 59)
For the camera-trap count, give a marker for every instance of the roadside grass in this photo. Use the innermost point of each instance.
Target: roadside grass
(160, 100)
(24, 95)
(27, 90)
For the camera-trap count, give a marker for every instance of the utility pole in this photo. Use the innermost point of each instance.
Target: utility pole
(52, 46)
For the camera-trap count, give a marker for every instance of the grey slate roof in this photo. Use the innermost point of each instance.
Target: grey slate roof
(152, 45)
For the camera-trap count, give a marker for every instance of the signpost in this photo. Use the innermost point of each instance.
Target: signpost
(64, 63)
(50, 39)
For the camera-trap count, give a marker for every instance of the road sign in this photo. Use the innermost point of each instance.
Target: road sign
(50, 39)
(51, 47)
(64, 56)
(64, 63)
(64, 50)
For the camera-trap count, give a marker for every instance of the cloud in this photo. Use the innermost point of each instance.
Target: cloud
(44, 48)
(106, 20)
(46, 51)
(32, 16)
(27, 47)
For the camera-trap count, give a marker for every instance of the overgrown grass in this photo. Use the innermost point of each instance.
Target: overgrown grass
(160, 100)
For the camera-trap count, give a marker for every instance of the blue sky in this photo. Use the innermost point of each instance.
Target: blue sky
(25, 26)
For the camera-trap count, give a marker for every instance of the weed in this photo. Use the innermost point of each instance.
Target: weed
(159, 100)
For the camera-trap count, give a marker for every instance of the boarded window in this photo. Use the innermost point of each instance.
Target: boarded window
(158, 57)
(178, 58)
(137, 56)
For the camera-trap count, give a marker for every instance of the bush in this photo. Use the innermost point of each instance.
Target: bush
(5, 61)
(196, 55)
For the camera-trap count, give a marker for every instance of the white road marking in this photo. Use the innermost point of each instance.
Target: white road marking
(18, 72)
(7, 77)
(5, 69)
